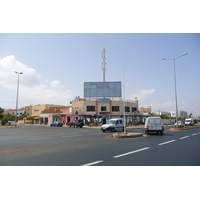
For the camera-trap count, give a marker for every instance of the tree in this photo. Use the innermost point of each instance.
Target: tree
(6, 118)
(1, 116)
(4, 121)
(1, 110)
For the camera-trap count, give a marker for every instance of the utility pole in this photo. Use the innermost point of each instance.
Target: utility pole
(104, 65)
(18, 73)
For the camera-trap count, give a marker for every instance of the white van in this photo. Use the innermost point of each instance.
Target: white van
(189, 122)
(113, 125)
(154, 124)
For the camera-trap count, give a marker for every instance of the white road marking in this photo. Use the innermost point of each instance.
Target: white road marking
(71, 135)
(125, 154)
(93, 163)
(184, 137)
(167, 142)
(195, 134)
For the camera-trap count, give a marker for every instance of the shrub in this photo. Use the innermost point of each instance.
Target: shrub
(4, 121)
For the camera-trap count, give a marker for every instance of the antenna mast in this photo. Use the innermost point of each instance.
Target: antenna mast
(104, 65)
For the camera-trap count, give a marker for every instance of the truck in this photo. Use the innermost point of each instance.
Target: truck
(189, 122)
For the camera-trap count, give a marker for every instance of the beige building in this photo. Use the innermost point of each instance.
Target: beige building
(103, 107)
(144, 110)
(37, 109)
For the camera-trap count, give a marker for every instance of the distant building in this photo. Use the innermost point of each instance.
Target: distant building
(20, 111)
(37, 109)
(145, 110)
(181, 114)
(159, 112)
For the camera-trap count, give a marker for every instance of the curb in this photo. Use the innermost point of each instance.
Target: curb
(184, 128)
(126, 135)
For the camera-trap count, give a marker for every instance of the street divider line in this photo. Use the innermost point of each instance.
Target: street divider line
(194, 134)
(167, 142)
(93, 163)
(128, 153)
(184, 137)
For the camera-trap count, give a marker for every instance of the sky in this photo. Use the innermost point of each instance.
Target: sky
(58, 52)
(56, 65)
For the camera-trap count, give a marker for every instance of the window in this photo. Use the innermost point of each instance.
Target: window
(127, 109)
(103, 108)
(151, 121)
(115, 108)
(157, 121)
(90, 108)
(133, 109)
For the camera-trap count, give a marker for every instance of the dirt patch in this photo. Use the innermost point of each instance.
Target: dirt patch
(4, 152)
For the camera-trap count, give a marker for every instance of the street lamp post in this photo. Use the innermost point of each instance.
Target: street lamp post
(174, 59)
(18, 73)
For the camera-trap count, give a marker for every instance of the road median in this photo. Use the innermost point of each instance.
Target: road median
(184, 128)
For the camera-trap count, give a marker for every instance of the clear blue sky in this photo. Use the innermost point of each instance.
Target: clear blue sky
(60, 63)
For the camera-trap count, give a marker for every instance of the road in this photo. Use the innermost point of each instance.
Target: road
(62, 146)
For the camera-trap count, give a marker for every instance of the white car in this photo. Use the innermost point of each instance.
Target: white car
(113, 125)
(180, 124)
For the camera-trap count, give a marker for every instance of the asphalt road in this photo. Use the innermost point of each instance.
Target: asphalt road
(56, 146)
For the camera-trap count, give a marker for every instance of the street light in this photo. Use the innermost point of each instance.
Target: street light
(17, 96)
(174, 59)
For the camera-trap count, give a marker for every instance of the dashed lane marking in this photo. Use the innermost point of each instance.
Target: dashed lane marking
(131, 152)
(194, 134)
(93, 163)
(167, 142)
(184, 137)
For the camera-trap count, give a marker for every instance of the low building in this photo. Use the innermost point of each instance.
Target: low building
(20, 111)
(159, 112)
(104, 108)
(37, 109)
(181, 114)
(145, 110)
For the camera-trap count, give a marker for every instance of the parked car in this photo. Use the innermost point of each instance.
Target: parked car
(76, 123)
(154, 124)
(180, 124)
(113, 125)
(57, 124)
